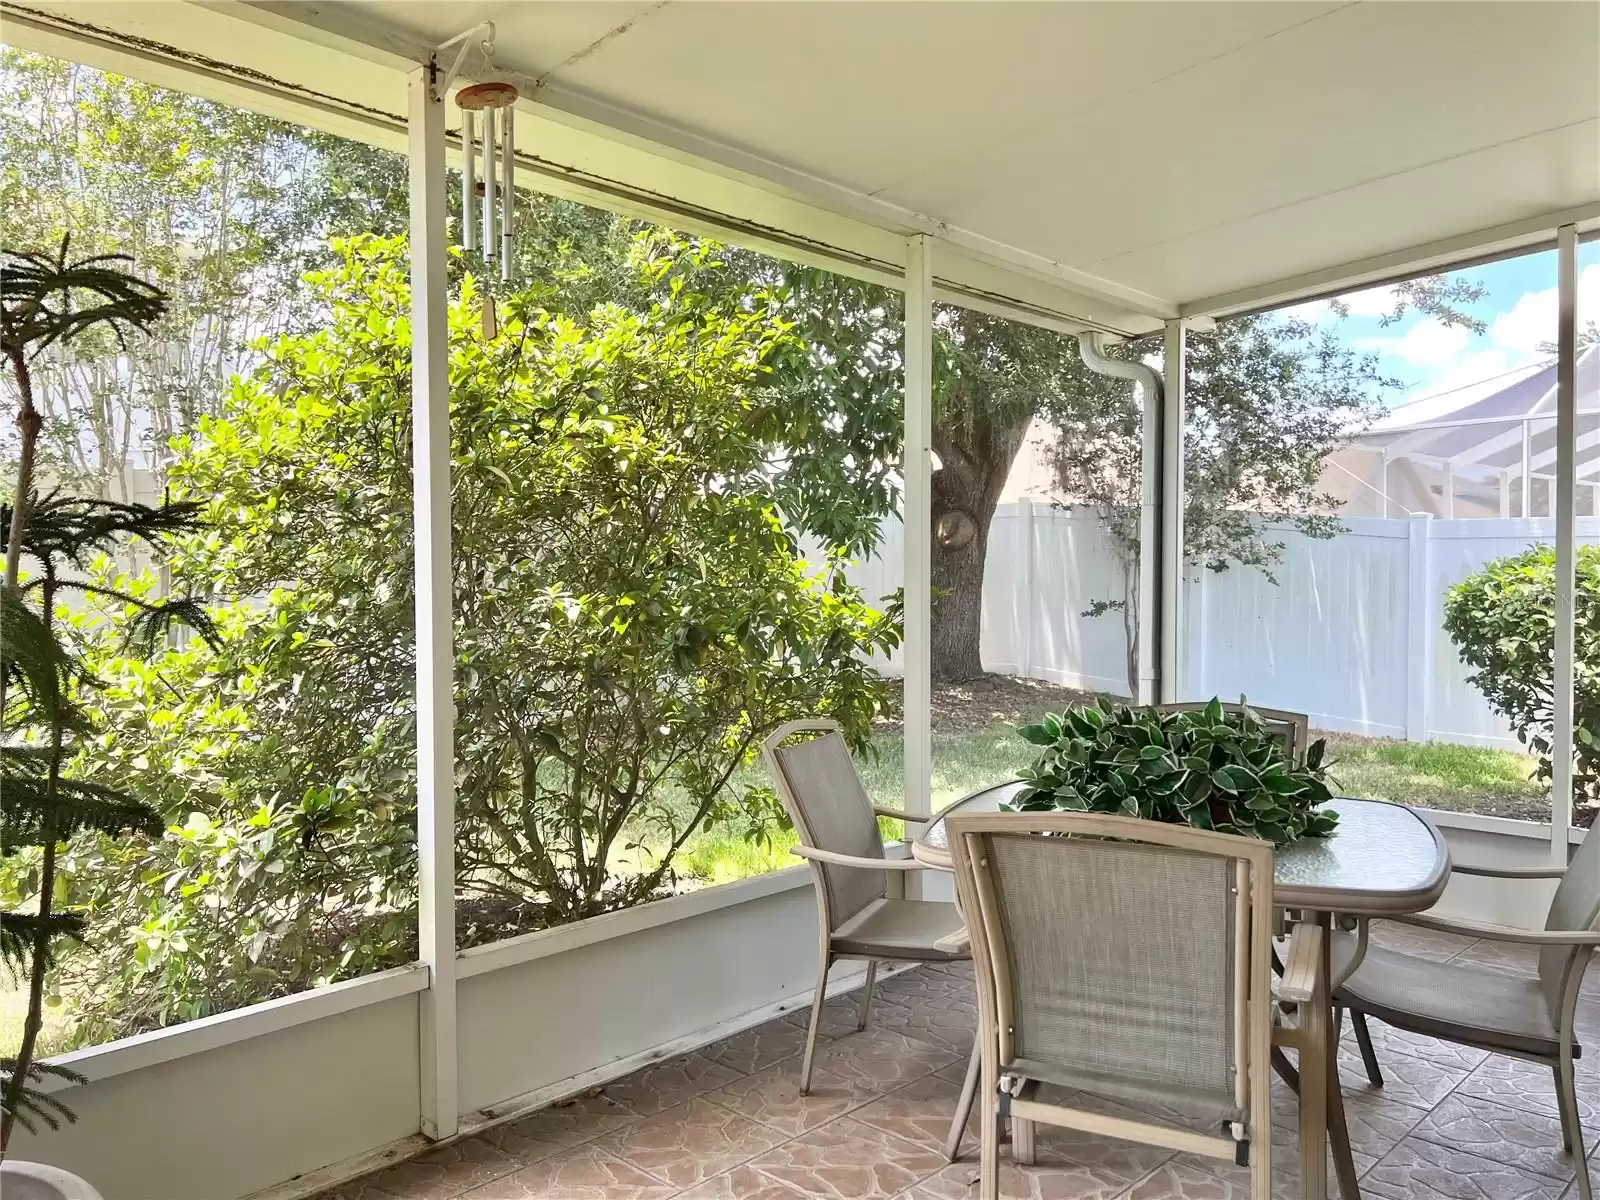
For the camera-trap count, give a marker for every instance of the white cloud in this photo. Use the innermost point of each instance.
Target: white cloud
(1374, 302)
(1531, 322)
(1428, 343)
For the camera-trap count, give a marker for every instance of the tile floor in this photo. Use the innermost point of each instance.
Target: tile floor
(728, 1123)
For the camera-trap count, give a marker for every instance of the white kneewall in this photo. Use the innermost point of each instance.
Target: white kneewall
(589, 1002)
(283, 1098)
(229, 1120)
(1492, 842)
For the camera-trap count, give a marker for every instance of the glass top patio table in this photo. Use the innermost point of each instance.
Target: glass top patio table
(1383, 859)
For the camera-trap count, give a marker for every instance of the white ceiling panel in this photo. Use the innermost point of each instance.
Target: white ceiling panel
(867, 94)
(1180, 150)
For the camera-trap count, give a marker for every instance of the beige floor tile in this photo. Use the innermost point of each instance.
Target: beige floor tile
(846, 1160)
(1408, 1080)
(441, 1173)
(586, 1173)
(561, 1127)
(691, 1142)
(1514, 1137)
(773, 1097)
(1386, 1040)
(653, 1089)
(1175, 1180)
(1421, 1170)
(920, 1112)
(759, 1048)
(882, 1058)
(741, 1183)
(1065, 1181)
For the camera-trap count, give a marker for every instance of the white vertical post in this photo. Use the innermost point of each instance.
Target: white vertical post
(917, 522)
(1527, 467)
(1173, 415)
(430, 459)
(1024, 589)
(1505, 494)
(1421, 626)
(1565, 494)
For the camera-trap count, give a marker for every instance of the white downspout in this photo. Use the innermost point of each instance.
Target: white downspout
(1150, 634)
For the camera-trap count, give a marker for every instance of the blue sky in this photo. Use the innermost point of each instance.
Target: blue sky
(1518, 309)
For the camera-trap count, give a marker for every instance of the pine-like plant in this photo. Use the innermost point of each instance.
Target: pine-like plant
(46, 299)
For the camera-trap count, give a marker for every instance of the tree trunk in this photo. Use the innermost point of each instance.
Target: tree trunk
(975, 460)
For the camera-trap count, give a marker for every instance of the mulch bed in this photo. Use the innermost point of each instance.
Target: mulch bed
(974, 705)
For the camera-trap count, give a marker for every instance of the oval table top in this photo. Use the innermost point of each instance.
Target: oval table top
(1383, 860)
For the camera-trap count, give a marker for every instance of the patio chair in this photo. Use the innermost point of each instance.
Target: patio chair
(1527, 1018)
(1295, 728)
(1130, 961)
(838, 829)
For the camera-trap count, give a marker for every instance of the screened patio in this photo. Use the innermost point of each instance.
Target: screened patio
(1104, 170)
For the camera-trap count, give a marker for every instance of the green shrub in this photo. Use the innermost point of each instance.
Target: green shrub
(1503, 623)
(1207, 768)
(632, 618)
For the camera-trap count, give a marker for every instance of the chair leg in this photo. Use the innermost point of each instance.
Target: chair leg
(1369, 1056)
(969, 1089)
(866, 995)
(1571, 1121)
(815, 1024)
(989, 1134)
(1022, 1141)
(1286, 1069)
(1561, 1107)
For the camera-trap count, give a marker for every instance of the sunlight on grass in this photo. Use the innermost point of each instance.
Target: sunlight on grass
(1437, 775)
(1427, 775)
(14, 1011)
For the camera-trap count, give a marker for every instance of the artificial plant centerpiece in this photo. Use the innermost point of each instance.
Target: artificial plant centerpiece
(1209, 768)
(52, 545)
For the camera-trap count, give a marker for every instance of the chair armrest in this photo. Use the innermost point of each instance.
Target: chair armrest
(896, 815)
(959, 942)
(1301, 965)
(1503, 933)
(1508, 872)
(850, 860)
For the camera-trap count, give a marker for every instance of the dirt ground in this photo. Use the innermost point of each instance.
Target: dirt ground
(978, 704)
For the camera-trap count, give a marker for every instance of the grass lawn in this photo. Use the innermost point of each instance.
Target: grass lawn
(975, 744)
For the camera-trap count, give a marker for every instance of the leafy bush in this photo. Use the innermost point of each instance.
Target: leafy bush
(1503, 622)
(1207, 768)
(631, 619)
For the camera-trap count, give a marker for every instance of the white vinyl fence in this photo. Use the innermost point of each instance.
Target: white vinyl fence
(1351, 632)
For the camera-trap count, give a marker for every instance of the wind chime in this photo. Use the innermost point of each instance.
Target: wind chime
(489, 201)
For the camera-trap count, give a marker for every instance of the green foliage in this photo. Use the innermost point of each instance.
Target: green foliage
(631, 620)
(46, 685)
(1503, 622)
(1207, 768)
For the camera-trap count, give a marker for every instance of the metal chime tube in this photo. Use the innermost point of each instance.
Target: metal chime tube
(469, 182)
(508, 192)
(491, 206)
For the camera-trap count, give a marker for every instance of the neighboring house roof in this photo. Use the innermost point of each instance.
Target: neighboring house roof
(1481, 424)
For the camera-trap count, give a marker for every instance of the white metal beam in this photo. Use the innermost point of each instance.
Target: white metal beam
(1516, 237)
(430, 459)
(917, 522)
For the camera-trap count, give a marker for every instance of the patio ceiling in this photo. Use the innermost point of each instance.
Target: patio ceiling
(1119, 162)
